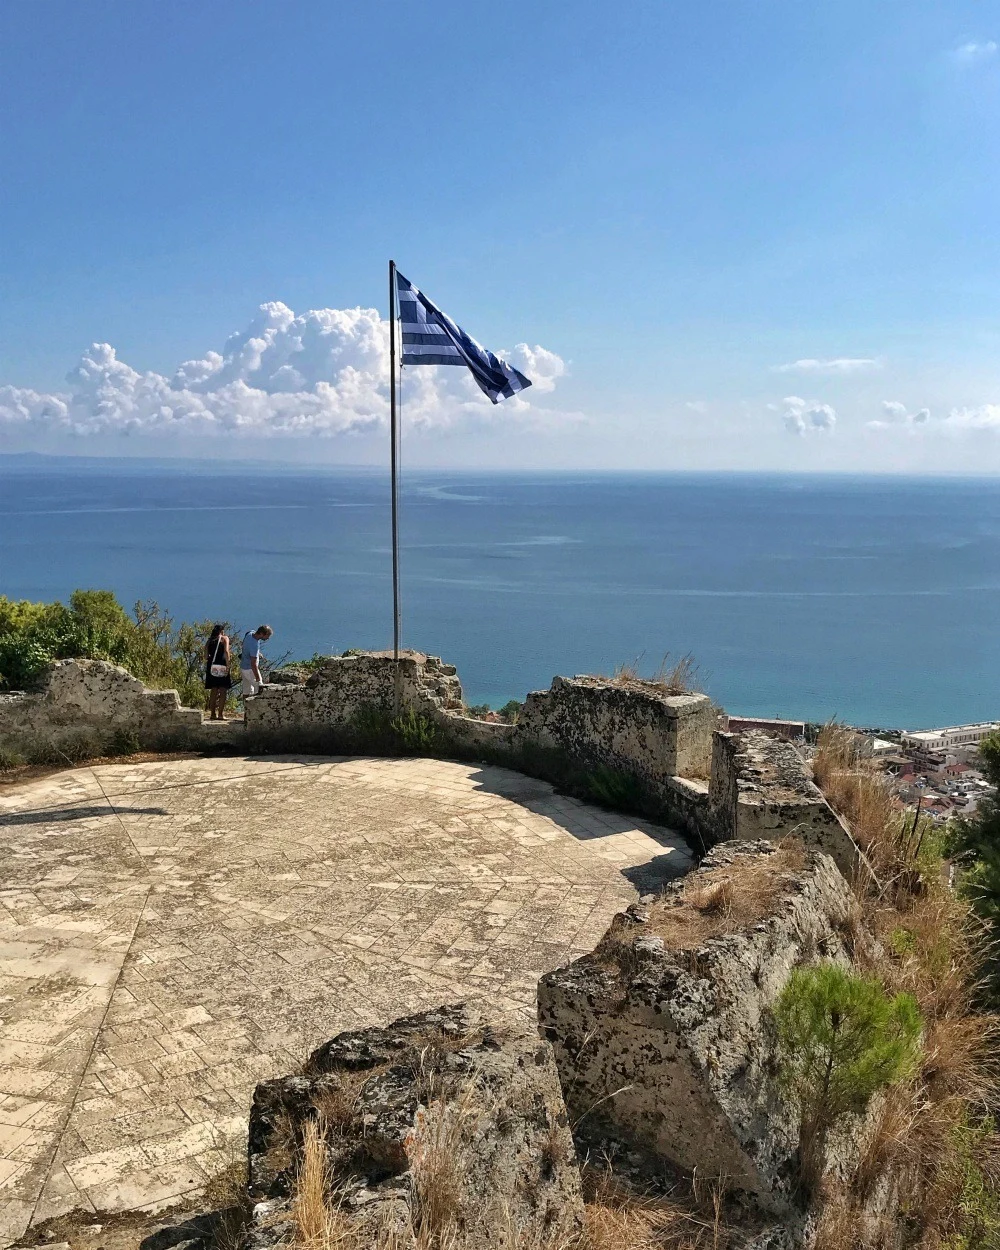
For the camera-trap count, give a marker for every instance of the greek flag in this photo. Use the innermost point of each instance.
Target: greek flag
(430, 337)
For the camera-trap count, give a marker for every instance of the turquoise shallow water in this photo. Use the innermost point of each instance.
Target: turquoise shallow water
(874, 599)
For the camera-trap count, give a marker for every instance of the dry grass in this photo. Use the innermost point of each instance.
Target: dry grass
(725, 899)
(310, 1209)
(926, 942)
(226, 1193)
(670, 678)
(620, 1218)
(617, 1217)
(337, 1102)
(436, 1212)
(721, 900)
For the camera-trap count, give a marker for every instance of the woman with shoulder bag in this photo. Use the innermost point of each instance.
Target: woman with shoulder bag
(217, 681)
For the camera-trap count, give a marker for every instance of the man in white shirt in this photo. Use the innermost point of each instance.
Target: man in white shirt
(250, 659)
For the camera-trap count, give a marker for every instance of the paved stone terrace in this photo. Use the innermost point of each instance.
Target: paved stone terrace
(173, 932)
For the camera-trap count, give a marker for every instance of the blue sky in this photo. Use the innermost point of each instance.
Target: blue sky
(677, 202)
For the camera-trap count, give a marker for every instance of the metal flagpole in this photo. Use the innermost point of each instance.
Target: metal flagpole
(394, 470)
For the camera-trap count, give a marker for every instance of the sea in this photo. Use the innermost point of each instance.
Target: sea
(872, 599)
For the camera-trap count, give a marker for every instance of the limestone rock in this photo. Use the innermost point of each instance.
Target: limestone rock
(636, 728)
(762, 788)
(668, 1047)
(434, 1110)
(286, 677)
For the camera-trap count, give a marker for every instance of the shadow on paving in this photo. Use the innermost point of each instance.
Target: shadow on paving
(48, 816)
(537, 796)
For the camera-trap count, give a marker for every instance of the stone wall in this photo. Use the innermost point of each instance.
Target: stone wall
(656, 1066)
(712, 786)
(95, 695)
(762, 788)
(347, 687)
(627, 726)
(662, 741)
(438, 1122)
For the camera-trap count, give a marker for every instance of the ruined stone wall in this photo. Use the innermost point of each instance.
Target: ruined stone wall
(762, 788)
(345, 688)
(103, 697)
(657, 1065)
(630, 727)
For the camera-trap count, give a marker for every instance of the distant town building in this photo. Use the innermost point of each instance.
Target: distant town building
(788, 729)
(946, 739)
(873, 745)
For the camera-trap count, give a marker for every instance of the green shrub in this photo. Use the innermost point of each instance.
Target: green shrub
(979, 1199)
(77, 743)
(95, 626)
(23, 661)
(370, 730)
(840, 1039)
(615, 789)
(478, 710)
(974, 844)
(124, 741)
(417, 734)
(10, 758)
(511, 711)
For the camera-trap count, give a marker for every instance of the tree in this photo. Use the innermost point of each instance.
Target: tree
(841, 1038)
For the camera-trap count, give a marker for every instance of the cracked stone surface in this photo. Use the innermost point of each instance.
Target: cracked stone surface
(173, 932)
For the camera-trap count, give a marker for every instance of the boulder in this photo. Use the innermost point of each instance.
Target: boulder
(438, 1121)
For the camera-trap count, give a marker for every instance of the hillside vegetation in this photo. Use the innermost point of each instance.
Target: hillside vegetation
(159, 651)
(934, 1144)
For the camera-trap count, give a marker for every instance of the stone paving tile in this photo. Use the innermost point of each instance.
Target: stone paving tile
(58, 968)
(173, 932)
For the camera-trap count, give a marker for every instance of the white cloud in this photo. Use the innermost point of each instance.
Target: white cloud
(974, 51)
(323, 372)
(697, 405)
(802, 416)
(985, 417)
(896, 414)
(839, 364)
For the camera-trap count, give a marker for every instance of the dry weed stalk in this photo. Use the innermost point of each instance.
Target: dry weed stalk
(670, 678)
(311, 1211)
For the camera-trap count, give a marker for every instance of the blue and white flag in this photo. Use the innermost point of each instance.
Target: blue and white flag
(430, 337)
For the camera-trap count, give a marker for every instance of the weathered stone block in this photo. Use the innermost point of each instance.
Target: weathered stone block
(662, 1035)
(762, 788)
(632, 727)
(436, 1108)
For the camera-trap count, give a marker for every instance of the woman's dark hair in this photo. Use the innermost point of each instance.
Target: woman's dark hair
(216, 631)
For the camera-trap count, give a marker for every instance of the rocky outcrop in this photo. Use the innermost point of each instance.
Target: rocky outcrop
(662, 1035)
(437, 1117)
(762, 788)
